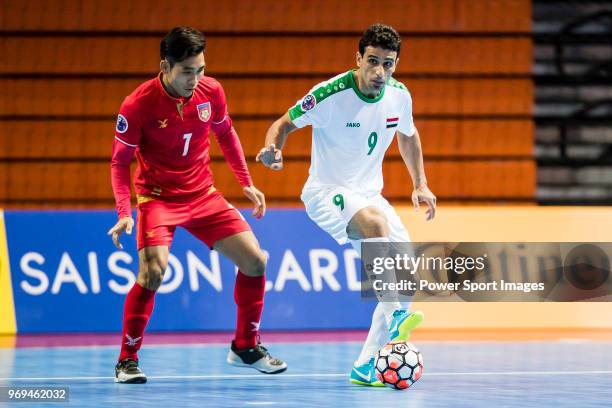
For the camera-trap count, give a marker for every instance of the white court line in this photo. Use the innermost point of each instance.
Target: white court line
(177, 377)
(521, 373)
(314, 375)
(304, 342)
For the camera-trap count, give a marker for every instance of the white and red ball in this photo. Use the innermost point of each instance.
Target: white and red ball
(399, 365)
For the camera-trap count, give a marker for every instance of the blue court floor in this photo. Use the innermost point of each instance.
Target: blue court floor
(457, 374)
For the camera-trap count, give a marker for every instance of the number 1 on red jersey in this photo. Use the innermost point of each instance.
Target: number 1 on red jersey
(187, 137)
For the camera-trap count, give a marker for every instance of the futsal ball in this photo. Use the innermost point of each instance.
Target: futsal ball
(399, 365)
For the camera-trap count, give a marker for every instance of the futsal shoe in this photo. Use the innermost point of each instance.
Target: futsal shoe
(365, 374)
(256, 357)
(127, 372)
(402, 323)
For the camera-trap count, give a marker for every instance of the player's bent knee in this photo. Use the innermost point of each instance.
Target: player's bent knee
(256, 266)
(369, 222)
(376, 227)
(152, 272)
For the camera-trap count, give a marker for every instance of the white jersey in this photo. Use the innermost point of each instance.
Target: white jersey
(351, 132)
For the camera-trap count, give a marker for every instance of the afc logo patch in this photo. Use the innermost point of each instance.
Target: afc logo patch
(122, 124)
(204, 111)
(308, 102)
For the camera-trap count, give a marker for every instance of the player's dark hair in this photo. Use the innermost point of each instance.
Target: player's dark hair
(380, 35)
(181, 43)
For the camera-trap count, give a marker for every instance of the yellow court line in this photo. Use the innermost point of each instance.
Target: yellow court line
(7, 307)
(8, 341)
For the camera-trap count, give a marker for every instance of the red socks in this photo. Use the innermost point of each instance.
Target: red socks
(249, 297)
(248, 294)
(136, 312)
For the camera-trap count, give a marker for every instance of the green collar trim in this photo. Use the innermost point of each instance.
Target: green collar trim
(361, 96)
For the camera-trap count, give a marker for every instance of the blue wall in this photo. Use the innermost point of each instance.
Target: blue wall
(68, 277)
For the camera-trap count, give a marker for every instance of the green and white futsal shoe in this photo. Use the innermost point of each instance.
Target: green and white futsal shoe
(403, 323)
(365, 374)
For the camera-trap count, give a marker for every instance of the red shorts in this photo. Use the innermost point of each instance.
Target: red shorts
(208, 217)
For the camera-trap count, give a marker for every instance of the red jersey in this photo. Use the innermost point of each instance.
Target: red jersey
(170, 138)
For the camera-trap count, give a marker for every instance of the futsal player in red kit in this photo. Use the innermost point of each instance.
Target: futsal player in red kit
(165, 122)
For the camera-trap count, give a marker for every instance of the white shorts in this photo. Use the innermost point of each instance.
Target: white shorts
(332, 208)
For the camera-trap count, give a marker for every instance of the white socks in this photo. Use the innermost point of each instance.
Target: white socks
(378, 335)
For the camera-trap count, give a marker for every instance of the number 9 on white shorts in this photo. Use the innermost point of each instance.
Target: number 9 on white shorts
(333, 208)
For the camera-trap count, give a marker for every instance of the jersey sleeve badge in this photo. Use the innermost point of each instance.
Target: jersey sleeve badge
(204, 111)
(308, 102)
(122, 124)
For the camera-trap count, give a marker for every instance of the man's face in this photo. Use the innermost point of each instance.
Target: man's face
(184, 76)
(376, 66)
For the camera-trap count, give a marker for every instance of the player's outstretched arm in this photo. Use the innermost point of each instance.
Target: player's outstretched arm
(412, 153)
(271, 155)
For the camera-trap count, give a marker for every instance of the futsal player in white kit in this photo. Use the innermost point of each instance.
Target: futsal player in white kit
(355, 117)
